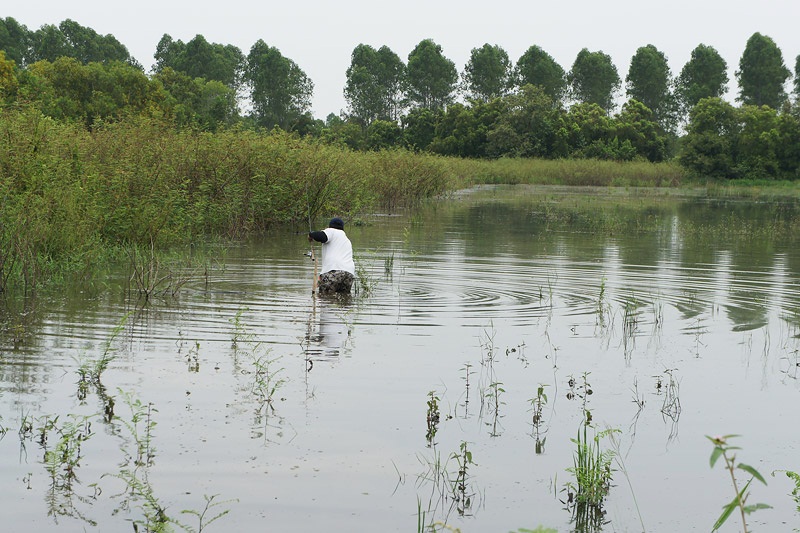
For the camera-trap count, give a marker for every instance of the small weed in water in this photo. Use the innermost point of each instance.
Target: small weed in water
(727, 452)
(467, 369)
(239, 333)
(61, 461)
(537, 419)
(460, 485)
(432, 417)
(203, 520)
(494, 402)
(90, 371)
(795, 477)
(582, 390)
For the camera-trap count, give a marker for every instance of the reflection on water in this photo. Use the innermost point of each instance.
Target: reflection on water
(526, 314)
(328, 330)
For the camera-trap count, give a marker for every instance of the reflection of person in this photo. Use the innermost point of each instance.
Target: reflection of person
(332, 331)
(338, 269)
(327, 338)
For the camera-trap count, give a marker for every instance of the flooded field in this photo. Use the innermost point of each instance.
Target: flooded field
(494, 336)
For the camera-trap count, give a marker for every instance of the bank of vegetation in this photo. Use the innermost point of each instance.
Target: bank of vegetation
(97, 157)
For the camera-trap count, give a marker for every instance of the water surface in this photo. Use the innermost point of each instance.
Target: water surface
(678, 312)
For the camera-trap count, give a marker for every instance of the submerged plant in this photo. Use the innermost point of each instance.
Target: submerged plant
(727, 453)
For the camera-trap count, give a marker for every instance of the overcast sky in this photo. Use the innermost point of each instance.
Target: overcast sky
(319, 35)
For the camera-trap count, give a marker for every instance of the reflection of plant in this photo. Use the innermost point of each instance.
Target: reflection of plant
(150, 275)
(672, 403)
(723, 449)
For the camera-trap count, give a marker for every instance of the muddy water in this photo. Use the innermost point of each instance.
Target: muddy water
(665, 317)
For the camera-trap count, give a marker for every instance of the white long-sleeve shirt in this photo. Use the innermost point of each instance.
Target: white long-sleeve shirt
(337, 252)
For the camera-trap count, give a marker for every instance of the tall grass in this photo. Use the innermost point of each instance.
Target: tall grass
(71, 197)
(584, 172)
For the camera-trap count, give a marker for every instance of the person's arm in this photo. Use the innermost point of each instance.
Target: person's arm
(319, 236)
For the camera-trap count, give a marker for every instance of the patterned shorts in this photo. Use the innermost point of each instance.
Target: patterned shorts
(335, 281)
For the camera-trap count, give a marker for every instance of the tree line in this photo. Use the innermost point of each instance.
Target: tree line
(494, 107)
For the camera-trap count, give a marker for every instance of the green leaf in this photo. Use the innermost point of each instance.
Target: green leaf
(727, 510)
(715, 454)
(752, 471)
(751, 508)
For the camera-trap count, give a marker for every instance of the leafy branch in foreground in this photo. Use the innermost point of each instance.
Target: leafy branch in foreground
(725, 450)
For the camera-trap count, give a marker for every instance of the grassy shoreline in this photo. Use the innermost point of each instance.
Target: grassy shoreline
(73, 199)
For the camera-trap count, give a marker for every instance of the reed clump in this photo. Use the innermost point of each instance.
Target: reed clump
(74, 198)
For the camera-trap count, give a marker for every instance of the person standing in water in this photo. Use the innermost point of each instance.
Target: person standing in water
(338, 268)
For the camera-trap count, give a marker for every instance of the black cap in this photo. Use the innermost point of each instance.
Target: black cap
(336, 223)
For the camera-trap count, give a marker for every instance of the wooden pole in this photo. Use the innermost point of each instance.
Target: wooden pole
(314, 259)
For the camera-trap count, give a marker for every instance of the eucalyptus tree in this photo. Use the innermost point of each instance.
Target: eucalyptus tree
(373, 90)
(280, 91)
(705, 75)
(15, 41)
(488, 74)
(49, 43)
(648, 81)
(200, 59)
(431, 77)
(797, 79)
(87, 45)
(537, 67)
(594, 79)
(761, 73)
(70, 39)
